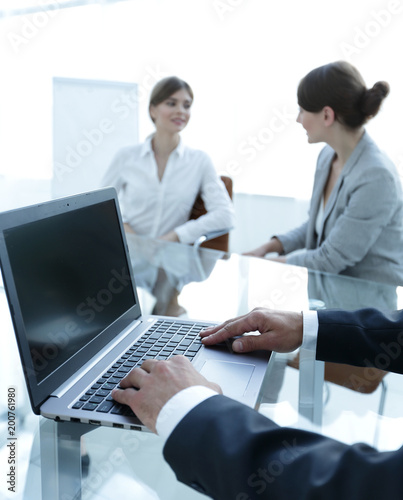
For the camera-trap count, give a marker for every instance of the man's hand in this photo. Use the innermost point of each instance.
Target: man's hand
(279, 331)
(147, 389)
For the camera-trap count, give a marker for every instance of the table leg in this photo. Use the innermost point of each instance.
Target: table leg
(60, 447)
(311, 379)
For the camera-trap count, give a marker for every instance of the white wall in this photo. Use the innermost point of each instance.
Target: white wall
(244, 60)
(15, 193)
(258, 217)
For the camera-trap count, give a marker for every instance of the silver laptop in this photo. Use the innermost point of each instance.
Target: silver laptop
(77, 319)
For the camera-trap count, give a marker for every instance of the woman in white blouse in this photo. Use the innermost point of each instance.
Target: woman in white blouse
(158, 181)
(355, 224)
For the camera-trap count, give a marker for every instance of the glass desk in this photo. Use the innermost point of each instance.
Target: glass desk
(202, 284)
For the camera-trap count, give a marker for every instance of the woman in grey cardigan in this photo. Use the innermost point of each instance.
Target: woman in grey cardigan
(355, 224)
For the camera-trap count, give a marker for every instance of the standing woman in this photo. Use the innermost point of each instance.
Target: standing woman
(158, 181)
(355, 224)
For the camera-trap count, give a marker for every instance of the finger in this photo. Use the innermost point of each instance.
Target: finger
(216, 328)
(133, 378)
(124, 396)
(249, 343)
(179, 359)
(213, 329)
(149, 364)
(229, 330)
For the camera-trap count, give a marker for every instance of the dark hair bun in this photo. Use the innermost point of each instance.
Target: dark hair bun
(341, 86)
(372, 99)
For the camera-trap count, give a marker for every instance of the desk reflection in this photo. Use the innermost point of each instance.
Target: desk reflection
(329, 291)
(163, 269)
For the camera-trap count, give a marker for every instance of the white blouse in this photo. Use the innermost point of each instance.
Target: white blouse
(153, 207)
(319, 217)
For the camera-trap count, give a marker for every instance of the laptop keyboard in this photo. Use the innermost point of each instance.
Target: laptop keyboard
(164, 339)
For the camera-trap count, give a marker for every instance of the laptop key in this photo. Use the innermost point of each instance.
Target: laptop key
(90, 406)
(124, 369)
(135, 358)
(118, 409)
(106, 406)
(108, 387)
(165, 353)
(129, 364)
(148, 356)
(185, 342)
(129, 412)
(96, 399)
(155, 335)
(102, 392)
(194, 348)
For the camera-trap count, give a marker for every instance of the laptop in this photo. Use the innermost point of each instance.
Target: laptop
(77, 319)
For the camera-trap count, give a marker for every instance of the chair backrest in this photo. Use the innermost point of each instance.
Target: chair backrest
(222, 242)
(355, 378)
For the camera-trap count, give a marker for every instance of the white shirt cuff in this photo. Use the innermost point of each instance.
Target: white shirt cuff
(310, 330)
(176, 408)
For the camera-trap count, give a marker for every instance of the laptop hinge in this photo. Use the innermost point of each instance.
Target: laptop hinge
(62, 389)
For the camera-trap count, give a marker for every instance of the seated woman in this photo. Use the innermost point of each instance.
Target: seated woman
(355, 224)
(158, 181)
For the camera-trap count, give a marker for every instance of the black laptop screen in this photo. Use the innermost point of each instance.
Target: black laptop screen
(72, 280)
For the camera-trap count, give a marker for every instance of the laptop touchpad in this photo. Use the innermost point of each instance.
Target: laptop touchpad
(232, 377)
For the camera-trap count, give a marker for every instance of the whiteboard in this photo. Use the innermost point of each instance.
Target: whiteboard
(92, 120)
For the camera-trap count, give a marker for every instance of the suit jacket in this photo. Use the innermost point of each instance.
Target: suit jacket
(229, 451)
(362, 231)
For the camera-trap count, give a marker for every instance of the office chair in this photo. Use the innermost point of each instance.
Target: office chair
(217, 240)
(362, 380)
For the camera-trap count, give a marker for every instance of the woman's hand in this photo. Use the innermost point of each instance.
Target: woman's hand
(171, 236)
(274, 245)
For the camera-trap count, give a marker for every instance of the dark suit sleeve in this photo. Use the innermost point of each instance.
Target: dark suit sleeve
(229, 451)
(366, 337)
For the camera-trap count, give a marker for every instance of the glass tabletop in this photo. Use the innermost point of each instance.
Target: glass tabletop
(164, 269)
(217, 286)
(210, 285)
(179, 280)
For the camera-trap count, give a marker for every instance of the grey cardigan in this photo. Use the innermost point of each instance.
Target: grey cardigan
(362, 232)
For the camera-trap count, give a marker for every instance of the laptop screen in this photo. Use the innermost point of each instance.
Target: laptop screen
(72, 279)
